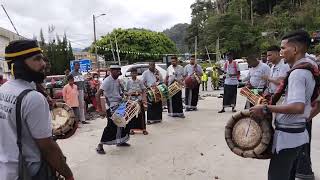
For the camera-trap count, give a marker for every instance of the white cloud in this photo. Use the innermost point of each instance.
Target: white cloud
(75, 16)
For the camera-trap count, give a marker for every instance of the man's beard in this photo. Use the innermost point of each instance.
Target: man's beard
(22, 71)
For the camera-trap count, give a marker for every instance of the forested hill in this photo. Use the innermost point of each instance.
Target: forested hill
(247, 26)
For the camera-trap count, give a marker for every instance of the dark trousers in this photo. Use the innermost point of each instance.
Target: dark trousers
(283, 164)
(204, 85)
(304, 168)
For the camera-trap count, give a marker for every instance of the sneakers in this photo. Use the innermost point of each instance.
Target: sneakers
(222, 111)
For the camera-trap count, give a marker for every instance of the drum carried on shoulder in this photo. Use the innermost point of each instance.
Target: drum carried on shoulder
(162, 92)
(64, 123)
(192, 81)
(247, 137)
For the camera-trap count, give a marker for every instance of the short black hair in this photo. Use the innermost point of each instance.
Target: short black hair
(274, 48)
(300, 37)
(193, 56)
(76, 62)
(252, 57)
(134, 70)
(229, 53)
(69, 77)
(174, 57)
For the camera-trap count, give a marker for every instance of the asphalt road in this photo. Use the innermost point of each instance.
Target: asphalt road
(193, 148)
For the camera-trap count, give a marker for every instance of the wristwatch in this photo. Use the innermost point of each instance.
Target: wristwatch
(266, 110)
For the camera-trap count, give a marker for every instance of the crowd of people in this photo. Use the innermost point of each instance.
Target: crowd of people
(291, 85)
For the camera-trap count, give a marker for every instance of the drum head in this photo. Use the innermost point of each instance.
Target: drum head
(249, 138)
(63, 121)
(246, 133)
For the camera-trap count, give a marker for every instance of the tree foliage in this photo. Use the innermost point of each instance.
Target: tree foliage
(59, 52)
(231, 22)
(149, 44)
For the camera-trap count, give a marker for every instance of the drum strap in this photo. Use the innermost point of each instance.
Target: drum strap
(23, 172)
(291, 128)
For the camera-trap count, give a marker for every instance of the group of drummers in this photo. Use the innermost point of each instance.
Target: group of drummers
(288, 92)
(149, 93)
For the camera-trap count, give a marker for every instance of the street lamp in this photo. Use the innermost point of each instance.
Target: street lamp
(95, 40)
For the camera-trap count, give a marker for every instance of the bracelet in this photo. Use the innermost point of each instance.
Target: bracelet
(266, 110)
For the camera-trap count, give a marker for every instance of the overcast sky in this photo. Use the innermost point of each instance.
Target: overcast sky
(75, 16)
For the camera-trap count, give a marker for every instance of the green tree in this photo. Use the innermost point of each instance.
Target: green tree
(132, 41)
(59, 52)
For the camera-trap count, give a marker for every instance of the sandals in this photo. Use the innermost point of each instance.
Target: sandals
(100, 150)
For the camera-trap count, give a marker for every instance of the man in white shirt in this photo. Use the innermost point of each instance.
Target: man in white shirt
(290, 133)
(175, 74)
(278, 70)
(255, 79)
(152, 78)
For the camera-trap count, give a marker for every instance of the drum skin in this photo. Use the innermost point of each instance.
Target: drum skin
(249, 138)
(64, 123)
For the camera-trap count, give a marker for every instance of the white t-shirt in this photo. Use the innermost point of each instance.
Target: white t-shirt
(36, 124)
(277, 71)
(256, 73)
(300, 88)
(229, 68)
(149, 78)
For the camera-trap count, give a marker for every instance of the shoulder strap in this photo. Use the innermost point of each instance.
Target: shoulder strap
(18, 117)
(282, 87)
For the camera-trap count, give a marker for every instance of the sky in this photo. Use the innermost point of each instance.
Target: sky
(74, 17)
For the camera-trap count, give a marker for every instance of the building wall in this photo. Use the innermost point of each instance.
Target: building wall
(5, 37)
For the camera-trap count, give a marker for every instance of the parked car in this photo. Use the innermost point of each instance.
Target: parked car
(54, 85)
(244, 70)
(126, 71)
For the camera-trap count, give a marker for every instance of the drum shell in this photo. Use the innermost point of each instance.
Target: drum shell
(132, 109)
(260, 150)
(67, 129)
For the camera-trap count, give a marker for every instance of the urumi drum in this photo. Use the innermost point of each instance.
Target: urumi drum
(248, 137)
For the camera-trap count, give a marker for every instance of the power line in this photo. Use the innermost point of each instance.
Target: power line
(9, 19)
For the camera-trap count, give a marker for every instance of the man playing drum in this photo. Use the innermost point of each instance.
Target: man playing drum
(135, 90)
(35, 144)
(256, 82)
(111, 88)
(290, 122)
(175, 73)
(192, 72)
(152, 78)
(279, 69)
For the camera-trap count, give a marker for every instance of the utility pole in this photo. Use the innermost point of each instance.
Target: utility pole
(218, 49)
(117, 50)
(251, 12)
(95, 41)
(112, 50)
(208, 56)
(195, 47)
